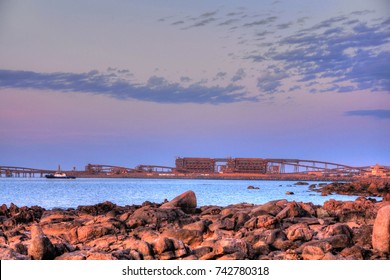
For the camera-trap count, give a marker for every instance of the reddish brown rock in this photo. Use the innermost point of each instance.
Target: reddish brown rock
(40, 247)
(299, 232)
(158, 217)
(230, 246)
(292, 209)
(352, 253)
(144, 248)
(186, 201)
(266, 221)
(99, 256)
(270, 208)
(77, 255)
(381, 230)
(93, 231)
(10, 254)
(190, 237)
(316, 250)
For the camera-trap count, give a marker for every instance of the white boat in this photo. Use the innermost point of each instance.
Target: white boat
(59, 175)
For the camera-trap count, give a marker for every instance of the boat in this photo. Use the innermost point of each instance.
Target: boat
(59, 175)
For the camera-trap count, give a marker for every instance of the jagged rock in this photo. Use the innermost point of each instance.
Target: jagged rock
(158, 216)
(98, 209)
(299, 232)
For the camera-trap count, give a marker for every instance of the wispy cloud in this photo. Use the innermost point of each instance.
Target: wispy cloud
(378, 114)
(350, 57)
(261, 22)
(240, 74)
(271, 81)
(156, 89)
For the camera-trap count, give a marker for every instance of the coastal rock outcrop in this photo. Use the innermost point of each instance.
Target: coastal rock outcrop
(279, 230)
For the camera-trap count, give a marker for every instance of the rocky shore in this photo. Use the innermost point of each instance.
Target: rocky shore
(178, 229)
(366, 188)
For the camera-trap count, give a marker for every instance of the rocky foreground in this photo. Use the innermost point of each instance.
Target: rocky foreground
(281, 230)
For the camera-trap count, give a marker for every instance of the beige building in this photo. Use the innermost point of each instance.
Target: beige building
(378, 171)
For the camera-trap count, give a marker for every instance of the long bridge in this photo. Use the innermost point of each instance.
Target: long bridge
(208, 166)
(16, 171)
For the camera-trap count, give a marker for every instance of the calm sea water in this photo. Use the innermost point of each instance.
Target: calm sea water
(72, 193)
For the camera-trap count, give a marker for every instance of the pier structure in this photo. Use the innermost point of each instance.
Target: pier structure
(197, 167)
(24, 172)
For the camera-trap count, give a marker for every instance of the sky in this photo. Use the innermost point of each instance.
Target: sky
(143, 82)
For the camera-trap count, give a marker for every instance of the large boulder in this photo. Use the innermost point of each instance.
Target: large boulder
(381, 230)
(40, 247)
(186, 201)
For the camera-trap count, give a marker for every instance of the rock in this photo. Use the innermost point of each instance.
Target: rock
(144, 248)
(201, 251)
(158, 217)
(10, 254)
(162, 244)
(352, 253)
(301, 183)
(77, 255)
(98, 209)
(190, 237)
(339, 241)
(94, 231)
(266, 221)
(322, 213)
(381, 230)
(386, 197)
(99, 256)
(230, 246)
(362, 236)
(252, 188)
(316, 251)
(40, 247)
(289, 193)
(270, 208)
(337, 229)
(186, 201)
(210, 210)
(299, 232)
(292, 209)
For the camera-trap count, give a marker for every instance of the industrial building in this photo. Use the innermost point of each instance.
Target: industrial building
(195, 165)
(229, 165)
(246, 165)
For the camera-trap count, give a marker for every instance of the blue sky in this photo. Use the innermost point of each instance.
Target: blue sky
(135, 82)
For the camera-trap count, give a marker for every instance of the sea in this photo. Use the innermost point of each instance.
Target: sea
(65, 194)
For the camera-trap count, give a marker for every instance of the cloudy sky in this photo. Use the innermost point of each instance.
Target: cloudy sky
(142, 82)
